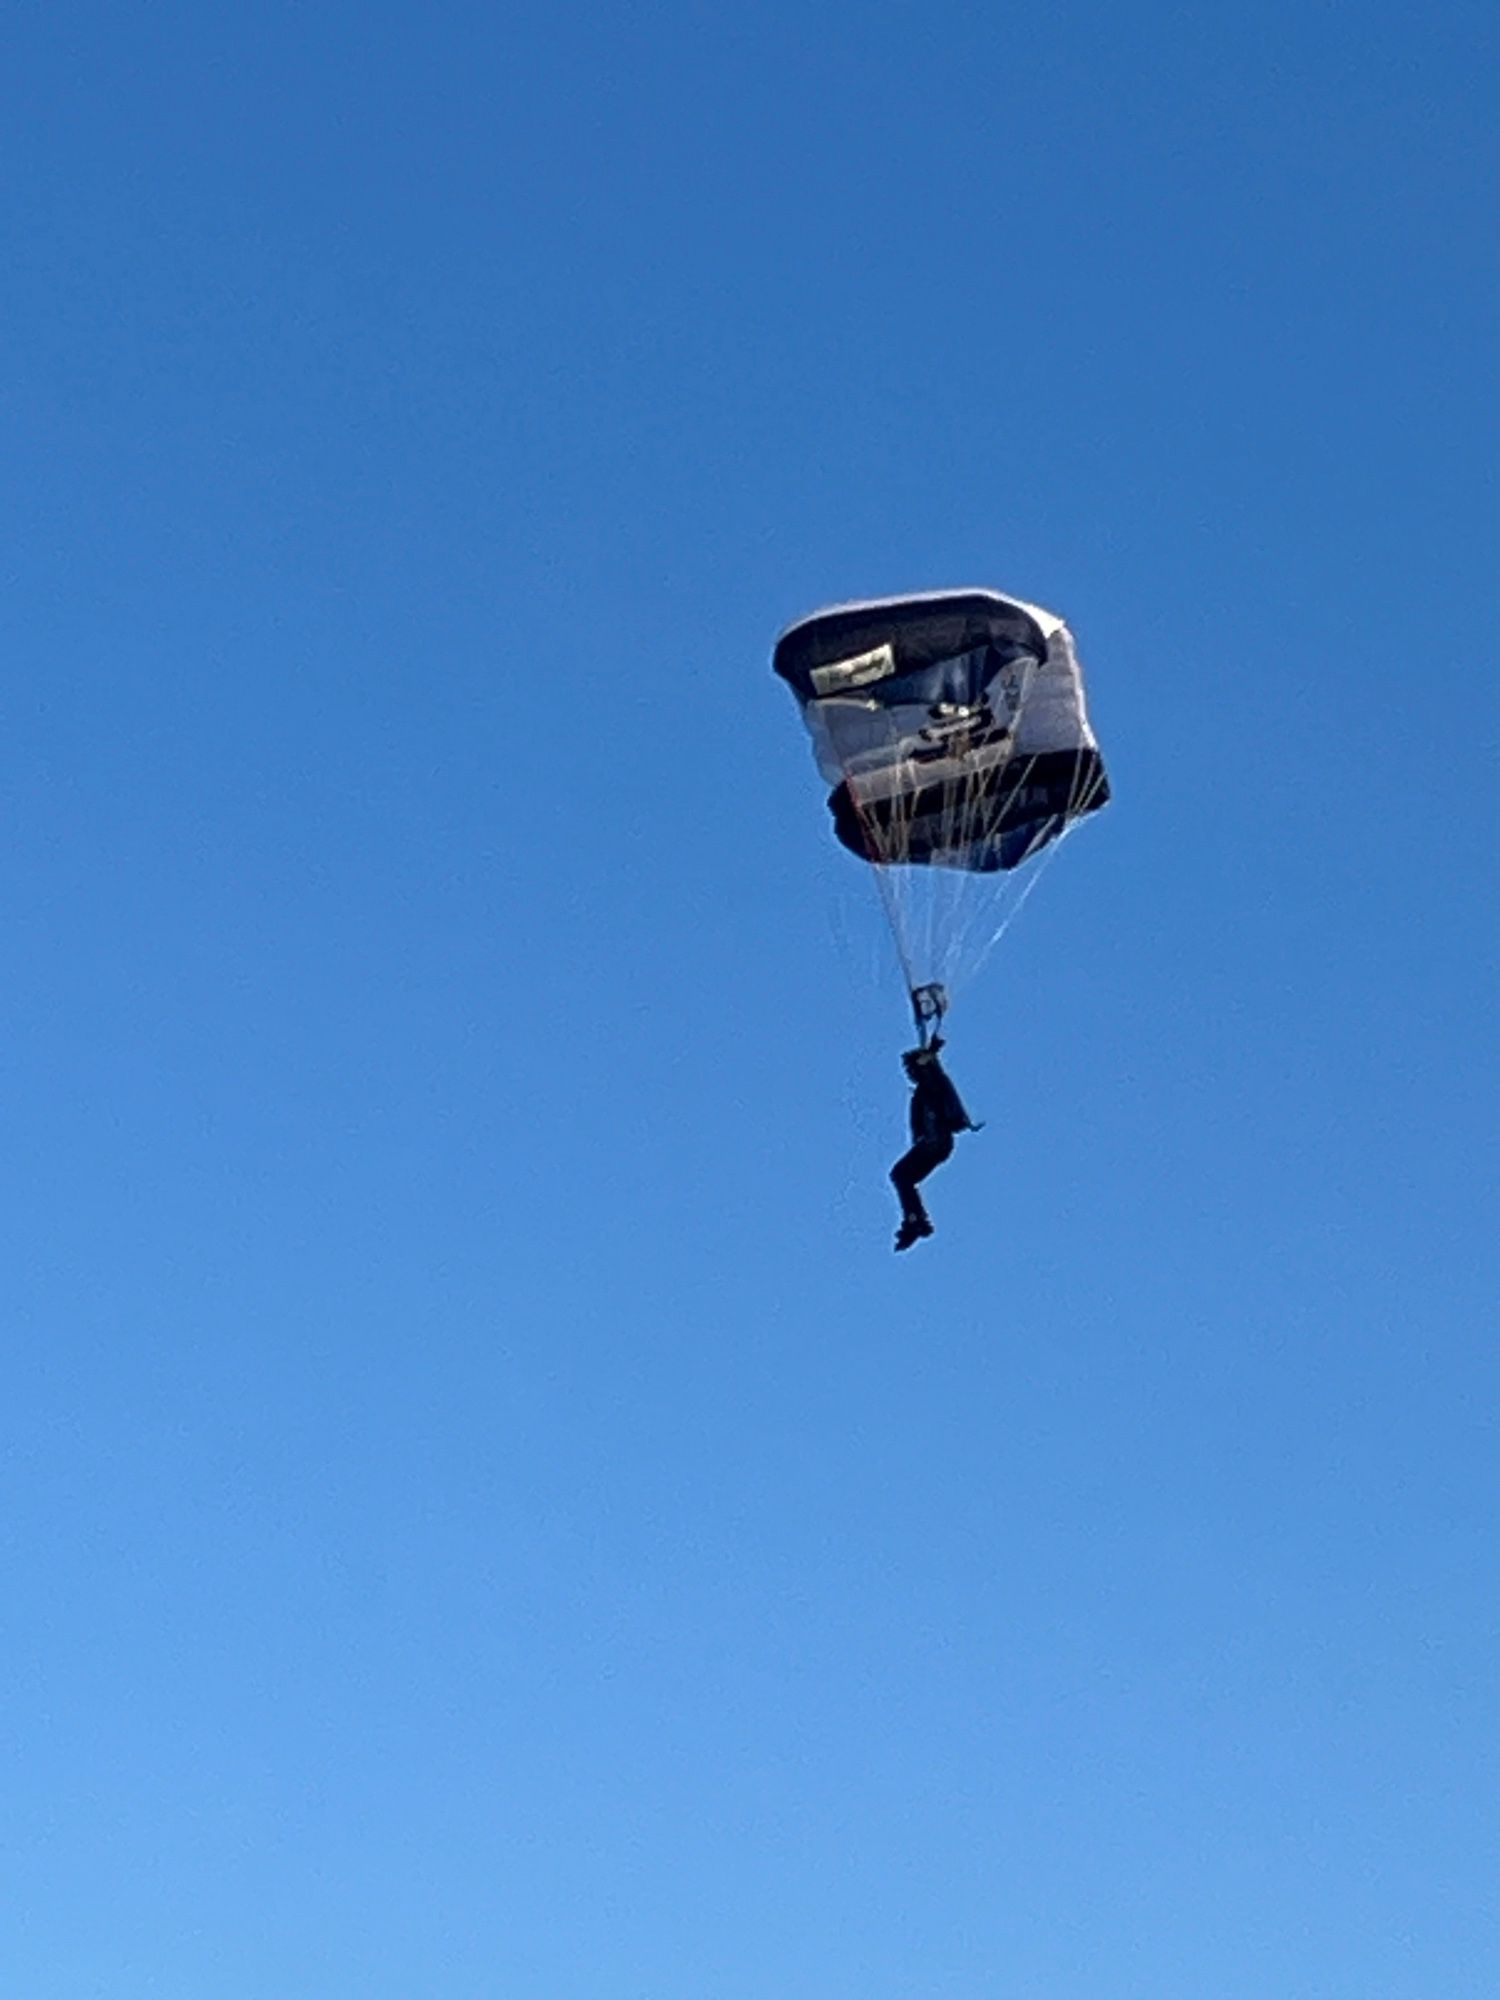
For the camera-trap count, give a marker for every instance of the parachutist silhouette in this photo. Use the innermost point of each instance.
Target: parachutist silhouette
(937, 1117)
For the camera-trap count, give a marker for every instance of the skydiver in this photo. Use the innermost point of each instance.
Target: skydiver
(937, 1117)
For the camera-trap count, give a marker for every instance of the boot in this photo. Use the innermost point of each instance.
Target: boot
(913, 1229)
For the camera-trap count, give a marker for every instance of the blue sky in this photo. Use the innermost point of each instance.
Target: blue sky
(484, 1512)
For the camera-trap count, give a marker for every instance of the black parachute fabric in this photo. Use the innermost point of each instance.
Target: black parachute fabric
(953, 732)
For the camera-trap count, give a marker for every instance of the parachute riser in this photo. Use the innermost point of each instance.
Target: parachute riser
(929, 1004)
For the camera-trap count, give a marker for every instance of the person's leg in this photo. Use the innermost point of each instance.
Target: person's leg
(912, 1167)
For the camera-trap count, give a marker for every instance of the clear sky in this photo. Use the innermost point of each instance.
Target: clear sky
(485, 1515)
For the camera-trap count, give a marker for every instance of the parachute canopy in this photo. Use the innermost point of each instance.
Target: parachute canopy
(953, 733)
(951, 727)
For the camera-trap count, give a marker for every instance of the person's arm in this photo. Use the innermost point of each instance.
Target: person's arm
(957, 1117)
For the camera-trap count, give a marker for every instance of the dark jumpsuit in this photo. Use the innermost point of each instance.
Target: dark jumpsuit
(937, 1113)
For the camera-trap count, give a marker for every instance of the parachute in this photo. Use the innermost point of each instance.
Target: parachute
(953, 731)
